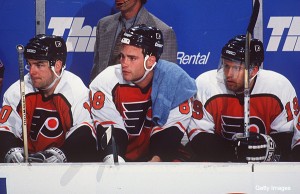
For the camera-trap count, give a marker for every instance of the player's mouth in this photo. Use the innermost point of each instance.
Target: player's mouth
(35, 80)
(230, 83)
(124, 72)
(120, 4)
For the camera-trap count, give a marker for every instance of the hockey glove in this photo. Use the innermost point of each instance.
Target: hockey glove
(255, 148)
(51, 155)
(14, 155)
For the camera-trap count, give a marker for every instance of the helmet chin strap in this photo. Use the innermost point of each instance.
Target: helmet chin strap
(250, 81)
(56, 79)
(252, 78)
(146, 72)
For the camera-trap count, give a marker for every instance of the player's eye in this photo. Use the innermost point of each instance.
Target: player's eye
(132, 58)
(40, 65)
(226, 67)
(120, 56)
(236, 68)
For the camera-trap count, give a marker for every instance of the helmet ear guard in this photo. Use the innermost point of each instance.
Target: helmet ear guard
(43, 47)
(150, 39)
(234, 49)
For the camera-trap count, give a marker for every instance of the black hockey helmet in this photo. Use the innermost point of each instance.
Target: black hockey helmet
(2, 68)
(43, 47)
(235, 50)
(150, 39)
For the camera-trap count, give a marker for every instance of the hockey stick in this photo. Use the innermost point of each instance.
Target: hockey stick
(20, 50)
(249, 34)
(109, 137)
(114, 148)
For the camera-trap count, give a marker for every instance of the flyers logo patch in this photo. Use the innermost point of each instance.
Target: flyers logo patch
(46, 123)
(135, 116)
(233, 125)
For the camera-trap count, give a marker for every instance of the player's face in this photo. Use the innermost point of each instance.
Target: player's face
(132, 61)
(40, 73)
(125, 5)
(234, 72)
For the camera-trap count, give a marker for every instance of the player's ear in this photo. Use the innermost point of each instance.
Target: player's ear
(254, 70)
(58, 66)
(151, 61)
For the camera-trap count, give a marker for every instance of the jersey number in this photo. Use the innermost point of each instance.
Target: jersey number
(98, 100)
(5, 112)
(184, 108)
(197, 110)
(290, 112)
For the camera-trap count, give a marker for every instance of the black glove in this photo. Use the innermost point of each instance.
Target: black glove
(51, 155)
(15, 155)
(255, 148)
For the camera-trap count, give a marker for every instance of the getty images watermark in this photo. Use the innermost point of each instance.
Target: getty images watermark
(273, 188)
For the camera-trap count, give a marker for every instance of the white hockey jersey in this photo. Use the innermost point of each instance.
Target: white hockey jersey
(273, 106)
(49, 120)
(126, 106)
(296, 138)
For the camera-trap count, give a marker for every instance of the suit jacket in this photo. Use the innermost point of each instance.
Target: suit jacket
(106, 31)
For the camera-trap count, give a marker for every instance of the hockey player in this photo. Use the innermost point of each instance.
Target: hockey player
(296, 139)
(217, 127)
(147, 100)
(60, 128)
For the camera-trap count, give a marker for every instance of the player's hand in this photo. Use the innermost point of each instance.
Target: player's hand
(15, 155)
(255, 148)
(109, 159)
(155, 159)
(51, 155)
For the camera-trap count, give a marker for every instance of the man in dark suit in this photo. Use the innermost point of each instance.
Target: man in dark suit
(109, 28)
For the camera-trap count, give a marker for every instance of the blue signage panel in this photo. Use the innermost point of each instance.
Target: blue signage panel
(3, 189)
(201, 27)
(282, 39)
(17, 19)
